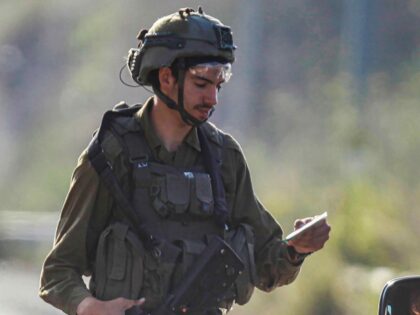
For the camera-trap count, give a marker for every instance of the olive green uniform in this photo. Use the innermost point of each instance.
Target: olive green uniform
(89, 207)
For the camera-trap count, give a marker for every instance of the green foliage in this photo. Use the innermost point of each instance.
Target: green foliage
(360, 165)
(316, 140)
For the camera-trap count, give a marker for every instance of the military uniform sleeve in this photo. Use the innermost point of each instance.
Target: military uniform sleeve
(275, 265)
(85, 214)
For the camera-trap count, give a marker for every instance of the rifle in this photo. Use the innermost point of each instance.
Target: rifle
(206, 285)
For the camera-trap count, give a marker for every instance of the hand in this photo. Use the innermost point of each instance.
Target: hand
(92, 306)
(312, 239)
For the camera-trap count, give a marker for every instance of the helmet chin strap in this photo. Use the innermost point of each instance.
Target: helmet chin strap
(186, 117)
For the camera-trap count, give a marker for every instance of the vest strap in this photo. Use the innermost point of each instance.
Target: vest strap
(104, 170)
(213, 167)
(140, 155)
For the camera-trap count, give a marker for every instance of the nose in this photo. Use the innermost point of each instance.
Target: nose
(211, 96)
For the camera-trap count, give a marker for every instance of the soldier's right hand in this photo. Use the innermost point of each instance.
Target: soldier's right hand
(92, 306)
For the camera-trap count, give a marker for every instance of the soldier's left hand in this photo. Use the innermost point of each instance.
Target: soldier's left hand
(312, 239)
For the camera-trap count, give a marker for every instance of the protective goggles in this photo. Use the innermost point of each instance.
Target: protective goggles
(214, 70)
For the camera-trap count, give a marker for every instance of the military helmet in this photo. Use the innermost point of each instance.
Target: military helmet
(183, 34)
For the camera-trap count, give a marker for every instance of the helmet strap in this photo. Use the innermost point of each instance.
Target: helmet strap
(186, 117)
(165, 98)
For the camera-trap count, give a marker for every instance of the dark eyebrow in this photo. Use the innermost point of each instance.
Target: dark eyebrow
(205, 79)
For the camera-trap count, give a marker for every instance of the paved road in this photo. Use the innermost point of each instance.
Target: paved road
(24, 237)
(19, 291)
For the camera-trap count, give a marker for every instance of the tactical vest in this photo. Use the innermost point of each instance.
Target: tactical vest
(172, 213)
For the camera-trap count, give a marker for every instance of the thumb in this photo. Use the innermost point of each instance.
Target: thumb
(139, 301)
(131, 303)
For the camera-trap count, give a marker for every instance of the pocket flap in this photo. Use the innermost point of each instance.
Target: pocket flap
(178, 189)
(203, 188)
(119, 250)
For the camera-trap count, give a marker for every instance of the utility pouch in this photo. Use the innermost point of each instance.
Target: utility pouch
(177, 190)
(241, 239)
(159, 267)
(176, 193)
(170, 194)
(202, 203)
(119, 264)
(207, 282)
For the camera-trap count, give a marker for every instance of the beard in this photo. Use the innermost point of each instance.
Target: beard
(204, 108)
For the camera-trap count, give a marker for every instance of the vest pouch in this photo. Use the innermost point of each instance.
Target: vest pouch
(241, 240)
(202, 203)
(170, 194)
(191, 250)
(159, 266)
(119, 264)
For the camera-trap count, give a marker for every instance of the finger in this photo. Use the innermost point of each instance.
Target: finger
(300, 222)
(318, 242)
(305, 236)
(315, 234)
(320, 228)
(312, 244)
(312, 236)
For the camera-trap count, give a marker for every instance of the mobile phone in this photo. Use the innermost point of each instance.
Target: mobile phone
(306, 226)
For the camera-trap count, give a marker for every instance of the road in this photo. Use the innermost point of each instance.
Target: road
(25, 238)
(19, 291)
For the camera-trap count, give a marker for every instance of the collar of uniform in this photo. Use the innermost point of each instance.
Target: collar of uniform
(143, 116)
(213, 132)
(192, 139)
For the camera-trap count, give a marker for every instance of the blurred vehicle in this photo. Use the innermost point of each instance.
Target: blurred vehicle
(401, 296)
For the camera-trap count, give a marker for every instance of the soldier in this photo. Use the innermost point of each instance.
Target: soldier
(159, 188)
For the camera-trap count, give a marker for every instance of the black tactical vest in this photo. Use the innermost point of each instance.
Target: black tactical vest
(168, 216)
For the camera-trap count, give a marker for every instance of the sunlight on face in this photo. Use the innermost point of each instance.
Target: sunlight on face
(201, 87)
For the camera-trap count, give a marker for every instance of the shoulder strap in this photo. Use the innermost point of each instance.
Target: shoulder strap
(104, 169)
(213, 167)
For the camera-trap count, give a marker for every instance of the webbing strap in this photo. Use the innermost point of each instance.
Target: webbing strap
(213, 167)
(137, 147)
(179, 106)
(104, 170)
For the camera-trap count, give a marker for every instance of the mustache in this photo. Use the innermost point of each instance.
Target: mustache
(203, 106)
(210, 108)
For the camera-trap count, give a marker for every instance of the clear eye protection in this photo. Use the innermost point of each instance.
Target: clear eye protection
(212, 70)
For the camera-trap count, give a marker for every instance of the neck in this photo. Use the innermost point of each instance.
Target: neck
(168, 124)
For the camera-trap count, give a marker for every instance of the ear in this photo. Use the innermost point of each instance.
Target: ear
(166, 79)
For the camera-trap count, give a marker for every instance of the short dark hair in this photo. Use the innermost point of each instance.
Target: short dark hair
(153, 77)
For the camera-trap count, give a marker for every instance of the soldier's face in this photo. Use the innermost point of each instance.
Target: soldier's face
(201, 92)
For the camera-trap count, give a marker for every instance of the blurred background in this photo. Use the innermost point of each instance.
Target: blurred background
(325, 100)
